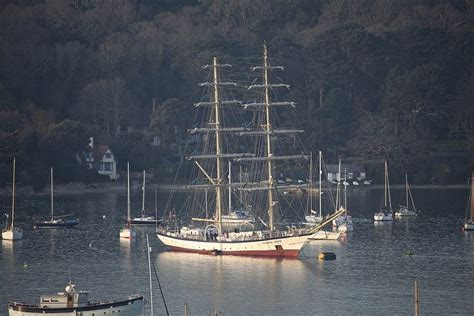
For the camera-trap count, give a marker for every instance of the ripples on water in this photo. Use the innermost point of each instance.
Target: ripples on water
(372, 273)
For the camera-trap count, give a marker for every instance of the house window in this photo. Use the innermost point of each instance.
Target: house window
(108, 155)
(108, 166)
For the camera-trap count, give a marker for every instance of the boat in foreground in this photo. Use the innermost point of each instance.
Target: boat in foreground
(72, 302)
(12, 232)
(469, 222)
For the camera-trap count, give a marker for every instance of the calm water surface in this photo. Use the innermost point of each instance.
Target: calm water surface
(371, 276)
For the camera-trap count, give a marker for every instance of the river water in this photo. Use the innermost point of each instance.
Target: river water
(372, 274)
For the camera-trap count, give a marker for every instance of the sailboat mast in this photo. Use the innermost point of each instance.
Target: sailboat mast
(143, 194)
(13, 194)
(472, 194)
(218, 148)
(385, 186)
(345, 189)
(406, 189)
(388, 190)
(52, 201)
(338, 194)
(128, 194)
(230, 189)
(311, 181)
(268, 130)
(320, 187)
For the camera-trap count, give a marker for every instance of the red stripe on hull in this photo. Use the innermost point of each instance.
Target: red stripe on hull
(266, 253)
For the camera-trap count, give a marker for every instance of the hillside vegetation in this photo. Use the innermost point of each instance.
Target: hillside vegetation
(372, 79)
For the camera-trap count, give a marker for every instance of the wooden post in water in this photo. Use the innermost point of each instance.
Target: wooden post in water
(417, 301)
(186, 310)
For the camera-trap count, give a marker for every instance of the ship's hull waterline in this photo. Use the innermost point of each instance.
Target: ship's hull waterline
(288, 246)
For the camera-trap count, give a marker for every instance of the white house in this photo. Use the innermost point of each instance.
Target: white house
(102, 159)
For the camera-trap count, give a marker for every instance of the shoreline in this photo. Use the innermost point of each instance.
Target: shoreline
(81, 188)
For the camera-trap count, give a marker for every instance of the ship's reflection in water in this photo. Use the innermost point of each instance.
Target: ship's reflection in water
(231, 283)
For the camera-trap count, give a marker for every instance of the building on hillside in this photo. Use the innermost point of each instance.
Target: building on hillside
(102, 159)
(353, 171)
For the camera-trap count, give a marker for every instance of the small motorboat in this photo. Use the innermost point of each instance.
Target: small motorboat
(72, 302)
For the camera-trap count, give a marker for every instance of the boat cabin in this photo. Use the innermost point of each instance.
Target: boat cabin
(69, 298)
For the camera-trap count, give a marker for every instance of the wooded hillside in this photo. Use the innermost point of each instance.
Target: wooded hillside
(371, 78)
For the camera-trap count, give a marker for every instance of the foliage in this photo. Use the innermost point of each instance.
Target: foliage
(372, 79)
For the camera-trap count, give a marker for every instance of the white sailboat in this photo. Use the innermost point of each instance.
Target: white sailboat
(12, 232)
(235, 218)
(144, 219)
(405, 209)
(469, 222)
(313, 217)
(212, 239)
(61, 221)
(343, 223)
(385, 214)
(128, 231)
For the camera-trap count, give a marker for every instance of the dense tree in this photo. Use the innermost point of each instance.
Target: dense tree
(356, 68)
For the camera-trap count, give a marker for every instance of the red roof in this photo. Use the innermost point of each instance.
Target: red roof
(99, 151)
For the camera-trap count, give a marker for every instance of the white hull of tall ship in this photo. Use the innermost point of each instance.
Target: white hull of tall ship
(286, 245)
(403, 212)
(469, 225)
(383, 217)
(12, 234)
(326, 235)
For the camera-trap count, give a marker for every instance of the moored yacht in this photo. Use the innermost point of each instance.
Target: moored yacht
(145, 219)
(68, 220)
(127, 231)
(12, 232)
(469, 222)
(386, 213)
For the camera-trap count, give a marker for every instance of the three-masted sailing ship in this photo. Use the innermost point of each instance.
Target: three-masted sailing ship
(214, 239)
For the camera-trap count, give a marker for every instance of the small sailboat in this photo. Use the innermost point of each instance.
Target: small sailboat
(76, 302)
(385, 214)
(67, 220)
(343, 223)
(12, 232)
(469, 222)
(144, 219)
(405, 209)
(313, 217)
(128, 231)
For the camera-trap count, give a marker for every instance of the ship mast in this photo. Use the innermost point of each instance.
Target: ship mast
(218, 148)
(268, 130)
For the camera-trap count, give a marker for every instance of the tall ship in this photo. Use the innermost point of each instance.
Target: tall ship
(75, 302)
(255, 192)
